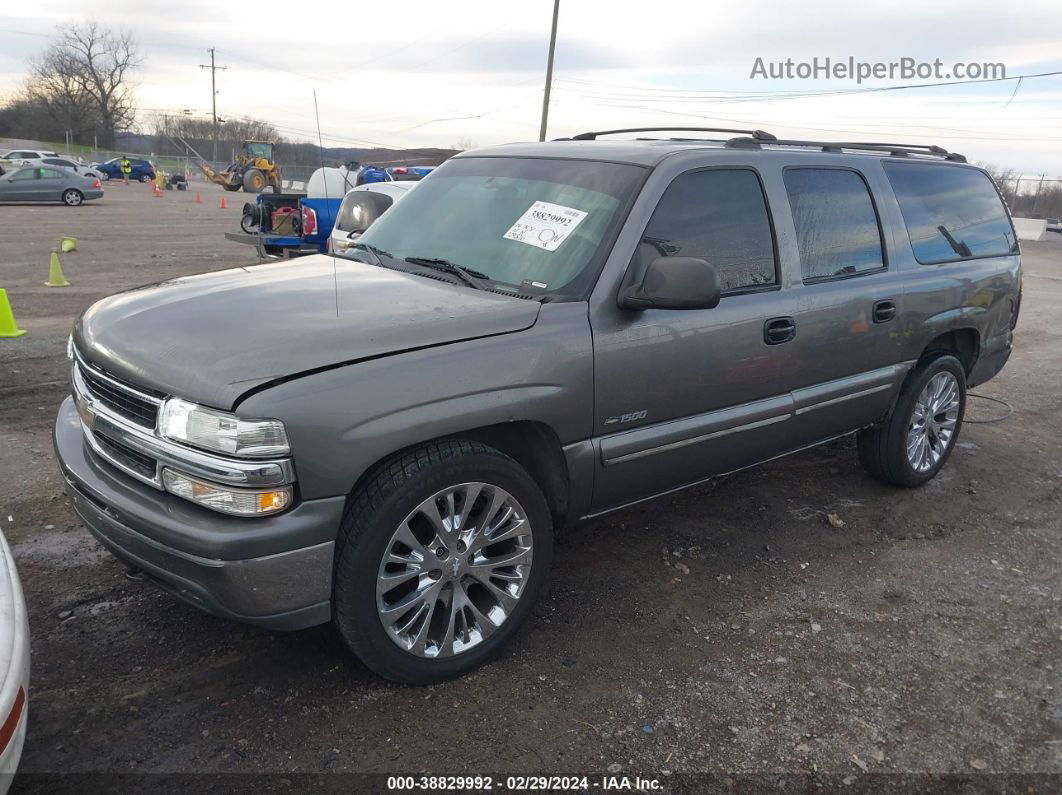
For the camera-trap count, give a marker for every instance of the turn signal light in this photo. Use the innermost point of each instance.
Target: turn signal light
(238, 502)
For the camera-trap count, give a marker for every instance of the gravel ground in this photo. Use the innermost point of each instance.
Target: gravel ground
(727, 630)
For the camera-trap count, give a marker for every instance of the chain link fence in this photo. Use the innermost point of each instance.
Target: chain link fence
(1032, 197)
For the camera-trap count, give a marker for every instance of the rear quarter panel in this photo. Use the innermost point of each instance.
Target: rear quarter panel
(977, 294)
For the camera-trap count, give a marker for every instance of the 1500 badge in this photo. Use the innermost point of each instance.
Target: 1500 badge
(630, 416)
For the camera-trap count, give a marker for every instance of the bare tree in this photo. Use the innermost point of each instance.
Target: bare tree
(200, 132)
(90, 65)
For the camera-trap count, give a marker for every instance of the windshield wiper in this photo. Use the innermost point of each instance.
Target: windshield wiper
(376, 252)
(470, 277)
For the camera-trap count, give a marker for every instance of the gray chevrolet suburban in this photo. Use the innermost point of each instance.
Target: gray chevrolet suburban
(539, 334)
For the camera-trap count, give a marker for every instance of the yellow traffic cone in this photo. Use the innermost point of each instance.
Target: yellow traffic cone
(68, 244)
(55, 273)
(7, 318)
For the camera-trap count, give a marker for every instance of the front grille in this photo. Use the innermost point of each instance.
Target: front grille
(133, 460)
(121, 401)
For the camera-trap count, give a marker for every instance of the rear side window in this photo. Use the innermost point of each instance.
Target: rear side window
(836, 223)
(718, 215)
(951, 213)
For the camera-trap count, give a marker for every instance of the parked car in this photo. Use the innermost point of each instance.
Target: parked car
(19, 157)
(48, 184)
(1054, 225)
(63, 162)
(409, 173)
(143, 170)
(361, 207)
(538, 334)
(14, 667)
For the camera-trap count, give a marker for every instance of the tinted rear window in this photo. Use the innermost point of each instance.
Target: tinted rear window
(718, 215)
(951, 213)
(359, 209)
(836, 224)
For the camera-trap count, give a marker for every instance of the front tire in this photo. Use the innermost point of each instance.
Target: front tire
(441, 555)
(254, 181)
(72, 198)
(916, 439)
(145, 178)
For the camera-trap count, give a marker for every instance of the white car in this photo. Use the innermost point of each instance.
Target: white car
(72, 165)
(14, 667)
(360, 207)
(25, 156)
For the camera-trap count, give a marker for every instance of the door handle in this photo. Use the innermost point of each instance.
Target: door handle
(778, 330)
(883, 311)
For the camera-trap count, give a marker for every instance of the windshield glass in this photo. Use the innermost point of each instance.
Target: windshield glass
(535, 223)
(260, 150)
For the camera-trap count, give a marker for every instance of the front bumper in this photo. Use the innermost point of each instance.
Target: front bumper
(272, 571)
(14, 667)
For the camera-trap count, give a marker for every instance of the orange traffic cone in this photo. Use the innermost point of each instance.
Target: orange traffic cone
(198, 198)
(223, 205)
(157, 192)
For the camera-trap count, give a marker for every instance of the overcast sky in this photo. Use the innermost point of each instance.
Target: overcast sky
(413, 73)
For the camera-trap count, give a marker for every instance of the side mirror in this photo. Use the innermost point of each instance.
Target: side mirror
(675, 283)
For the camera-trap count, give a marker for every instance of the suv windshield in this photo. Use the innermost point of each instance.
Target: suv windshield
(535, 223)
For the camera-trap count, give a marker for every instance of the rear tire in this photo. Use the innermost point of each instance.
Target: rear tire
(915, 440)
(144, 178)
(465, 602)
(105, 176)
(72, 197)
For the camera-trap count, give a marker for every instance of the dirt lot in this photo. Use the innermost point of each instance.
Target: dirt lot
(726, 630)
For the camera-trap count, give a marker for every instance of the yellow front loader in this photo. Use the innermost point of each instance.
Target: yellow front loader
(253, 170)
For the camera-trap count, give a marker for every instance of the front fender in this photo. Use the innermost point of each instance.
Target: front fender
(342, 421)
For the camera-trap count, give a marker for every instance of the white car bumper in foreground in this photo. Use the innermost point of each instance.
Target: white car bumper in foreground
(14, 667)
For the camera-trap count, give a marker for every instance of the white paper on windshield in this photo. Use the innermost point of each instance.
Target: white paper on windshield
(545, 225)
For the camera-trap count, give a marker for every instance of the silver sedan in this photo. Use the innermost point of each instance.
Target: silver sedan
(48, 184)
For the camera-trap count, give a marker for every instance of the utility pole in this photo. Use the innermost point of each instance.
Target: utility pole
(549, 71)
(1036, 201)
(213, 95)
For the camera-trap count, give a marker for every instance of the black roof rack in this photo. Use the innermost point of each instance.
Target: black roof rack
(895, 150)
(757, 135)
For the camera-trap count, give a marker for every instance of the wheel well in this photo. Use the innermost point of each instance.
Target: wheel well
(963, 343)
(534, 445)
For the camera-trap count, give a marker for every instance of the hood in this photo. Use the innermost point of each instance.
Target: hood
(212, 337)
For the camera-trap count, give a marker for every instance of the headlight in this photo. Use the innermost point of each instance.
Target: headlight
(221, 431)
(242, 502)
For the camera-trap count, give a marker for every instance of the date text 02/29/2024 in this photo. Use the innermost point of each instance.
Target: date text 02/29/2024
(610, 783)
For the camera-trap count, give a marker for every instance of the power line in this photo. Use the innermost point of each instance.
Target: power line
(808, 127)
(782, 94)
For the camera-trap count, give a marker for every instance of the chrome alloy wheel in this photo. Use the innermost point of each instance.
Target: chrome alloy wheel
(454, 570)
(933, 422)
